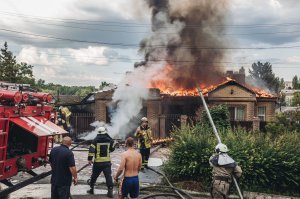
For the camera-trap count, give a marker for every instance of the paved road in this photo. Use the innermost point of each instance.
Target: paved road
(41, 189)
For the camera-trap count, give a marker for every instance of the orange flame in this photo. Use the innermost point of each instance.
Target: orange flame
(262, 93)
(166, 87)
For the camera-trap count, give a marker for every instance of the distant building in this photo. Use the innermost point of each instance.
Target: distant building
(288, 85)
(289, 94)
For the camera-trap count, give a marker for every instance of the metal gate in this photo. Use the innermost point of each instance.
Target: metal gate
(80, 123)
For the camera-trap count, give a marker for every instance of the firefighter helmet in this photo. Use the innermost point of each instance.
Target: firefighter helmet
(221, 148)
(101, 129)
(144, 119)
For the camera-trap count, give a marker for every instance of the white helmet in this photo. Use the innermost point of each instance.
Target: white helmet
(144, 119)
(101, 129)
(221, 148)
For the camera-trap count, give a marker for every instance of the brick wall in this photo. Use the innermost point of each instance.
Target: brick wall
(100, 110)
(153, 112)
(270, 109)
(232, 91)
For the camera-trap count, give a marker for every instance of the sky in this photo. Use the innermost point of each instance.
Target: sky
(75, 42)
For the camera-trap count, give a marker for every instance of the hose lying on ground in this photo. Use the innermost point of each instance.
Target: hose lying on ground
(179, 192)
(168, 187)
(160, 195)
(80, 143)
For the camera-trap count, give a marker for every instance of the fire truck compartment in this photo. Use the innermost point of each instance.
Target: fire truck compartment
(38, 126)
(20, 141)
(24, 133)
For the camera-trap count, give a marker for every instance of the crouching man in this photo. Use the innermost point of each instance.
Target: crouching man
(224, 167)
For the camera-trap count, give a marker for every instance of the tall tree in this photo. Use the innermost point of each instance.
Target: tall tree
(295, 82)
(282, 84)
(296, 99)
(11, 71)
(264, 72)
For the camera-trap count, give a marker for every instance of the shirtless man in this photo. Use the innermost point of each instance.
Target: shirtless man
(131, 163)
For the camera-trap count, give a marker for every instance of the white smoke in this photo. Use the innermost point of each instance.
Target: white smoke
(129, 96)
(92, 134)
(133, 90)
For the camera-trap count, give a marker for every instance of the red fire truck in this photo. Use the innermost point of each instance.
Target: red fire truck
(26, 131)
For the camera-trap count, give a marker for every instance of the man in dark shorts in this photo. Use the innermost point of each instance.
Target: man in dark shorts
(131, 163)
(63, 168)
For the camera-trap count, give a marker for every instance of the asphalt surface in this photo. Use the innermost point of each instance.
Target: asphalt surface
(41, 189)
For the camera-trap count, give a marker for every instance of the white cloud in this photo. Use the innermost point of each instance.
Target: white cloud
(35, 56)
(294, 59)
(90, 55)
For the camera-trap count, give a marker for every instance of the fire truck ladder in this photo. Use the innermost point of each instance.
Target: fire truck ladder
(3, 148)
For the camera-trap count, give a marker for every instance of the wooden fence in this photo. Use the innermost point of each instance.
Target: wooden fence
(80, 123)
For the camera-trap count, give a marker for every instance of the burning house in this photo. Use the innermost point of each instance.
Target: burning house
(165, 110)
(187, 47)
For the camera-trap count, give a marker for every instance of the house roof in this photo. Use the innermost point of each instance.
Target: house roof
(68, 100)
(259, 93)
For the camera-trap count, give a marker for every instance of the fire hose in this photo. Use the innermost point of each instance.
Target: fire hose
(217, 135)
(178, 192)
(78, 171)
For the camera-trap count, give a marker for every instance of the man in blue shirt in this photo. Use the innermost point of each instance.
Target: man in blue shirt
(63, 168)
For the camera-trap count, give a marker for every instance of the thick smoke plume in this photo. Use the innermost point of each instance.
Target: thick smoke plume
(179, 53)
(191, 35)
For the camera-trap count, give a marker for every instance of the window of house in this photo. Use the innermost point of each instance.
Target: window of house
(261, 113)
(237, 113)
(240, 114)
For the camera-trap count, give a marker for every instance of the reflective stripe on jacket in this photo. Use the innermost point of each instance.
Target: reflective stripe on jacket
(100, 148)
(144, 137)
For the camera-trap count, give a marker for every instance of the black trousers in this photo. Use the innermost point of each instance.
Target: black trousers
(145, 152)
(98, 168)
(60, 192)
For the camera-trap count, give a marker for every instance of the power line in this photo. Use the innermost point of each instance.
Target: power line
(147, 32)
(133, 24)
(153, 46)
(119, 59)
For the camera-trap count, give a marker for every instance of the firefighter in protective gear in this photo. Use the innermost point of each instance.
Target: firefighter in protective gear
(100, 150)
(144, 135)
(60, 121)
(66, 113)
(224, 167)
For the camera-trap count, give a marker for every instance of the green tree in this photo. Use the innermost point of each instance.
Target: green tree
(296, 99)
(282, 84)
(220, 115)
(295, 82)
(103, 85)
(264, 72)
(11, 71)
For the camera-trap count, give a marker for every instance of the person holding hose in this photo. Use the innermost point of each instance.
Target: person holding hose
(224, 168)
(100, 150)
(144, 136)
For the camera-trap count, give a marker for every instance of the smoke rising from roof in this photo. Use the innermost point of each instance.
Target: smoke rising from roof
(185, 34)
(174, 55)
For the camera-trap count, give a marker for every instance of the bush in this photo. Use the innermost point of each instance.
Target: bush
(287, 121)
(220, 116)
(270, 163)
